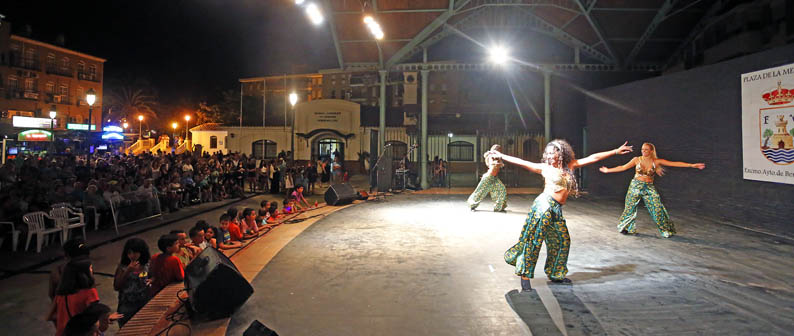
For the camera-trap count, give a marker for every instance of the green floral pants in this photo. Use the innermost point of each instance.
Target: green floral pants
(544, 222)
(647, 192)
(489, 184)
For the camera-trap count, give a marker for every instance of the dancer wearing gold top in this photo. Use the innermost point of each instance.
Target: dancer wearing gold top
(641, 187)
(545, 220)
(490, 184)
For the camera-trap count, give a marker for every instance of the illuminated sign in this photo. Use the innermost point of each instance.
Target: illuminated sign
(30, 122)
(80, 127)
(112, 136)
(34, 135)
(113, 129)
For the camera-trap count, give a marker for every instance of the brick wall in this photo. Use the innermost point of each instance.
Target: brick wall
(692, 116)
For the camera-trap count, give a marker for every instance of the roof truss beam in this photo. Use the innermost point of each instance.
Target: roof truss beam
(661, 14)
(337, 45)
(596, 28)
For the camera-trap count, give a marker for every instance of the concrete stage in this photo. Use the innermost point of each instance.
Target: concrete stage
(425, 265)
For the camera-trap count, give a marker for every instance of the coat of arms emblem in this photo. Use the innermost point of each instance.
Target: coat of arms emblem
(776, 124)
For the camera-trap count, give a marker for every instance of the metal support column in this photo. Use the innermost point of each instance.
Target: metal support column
(423, 146)
(547, 104)
(382, 123)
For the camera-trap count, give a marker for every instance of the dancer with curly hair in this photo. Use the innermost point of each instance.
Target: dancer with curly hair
(490, 184)
(642, 187)
(545, 221)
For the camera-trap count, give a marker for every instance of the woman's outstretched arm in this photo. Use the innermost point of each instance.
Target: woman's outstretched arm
(531, 166)
(593, 158)
(664, 162)
(619, 169)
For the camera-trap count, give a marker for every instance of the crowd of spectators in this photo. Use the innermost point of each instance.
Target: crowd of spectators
(35, 183)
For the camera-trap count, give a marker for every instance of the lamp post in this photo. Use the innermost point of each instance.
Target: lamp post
(293, 99)
(90, 98)
(53, 114)
(140, 127)
(187, 126)
(174, 126)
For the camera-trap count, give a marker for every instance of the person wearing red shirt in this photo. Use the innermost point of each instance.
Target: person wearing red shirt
(165, 267)
(75, 292)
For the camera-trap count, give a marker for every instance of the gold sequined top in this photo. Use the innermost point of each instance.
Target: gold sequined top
(642, 172)
(556, 180)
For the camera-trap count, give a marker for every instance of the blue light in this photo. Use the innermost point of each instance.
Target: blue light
(112, 136)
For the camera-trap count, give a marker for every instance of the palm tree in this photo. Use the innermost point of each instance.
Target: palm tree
(767, 134)
(130, 99)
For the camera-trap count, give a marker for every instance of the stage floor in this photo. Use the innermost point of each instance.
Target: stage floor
(425, 265)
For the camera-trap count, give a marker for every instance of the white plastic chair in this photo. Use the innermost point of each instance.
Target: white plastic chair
(38, 226)
(85, 210)
(14, 236)
(62, 219)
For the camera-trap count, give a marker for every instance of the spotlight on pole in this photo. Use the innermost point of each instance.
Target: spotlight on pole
(499, 55)
(314, 13)
(293, 98)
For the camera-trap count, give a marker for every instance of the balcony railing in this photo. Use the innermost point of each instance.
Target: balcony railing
(57, 99)
(93, 77)
(22, 94)
(67, 72)
(25, 63)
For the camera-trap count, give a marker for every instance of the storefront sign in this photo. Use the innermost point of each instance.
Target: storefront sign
(30, 122)
(113, 128)
(80, 127)
(112, 136)
(35, 135)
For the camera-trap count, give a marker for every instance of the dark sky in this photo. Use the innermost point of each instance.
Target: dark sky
(189, 50)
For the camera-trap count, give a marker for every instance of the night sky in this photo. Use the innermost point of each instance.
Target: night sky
(188, 50)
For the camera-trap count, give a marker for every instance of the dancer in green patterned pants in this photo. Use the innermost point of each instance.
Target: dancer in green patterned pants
(490, 184)
(642, 187)
(545, 221)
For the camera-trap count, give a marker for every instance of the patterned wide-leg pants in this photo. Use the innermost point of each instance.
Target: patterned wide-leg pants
(653, 202)
(489, 184)
(544, 222)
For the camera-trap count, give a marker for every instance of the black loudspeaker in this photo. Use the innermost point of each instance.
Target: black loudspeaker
(258, 329)
(214, 285)
(340, 194)
(385, 172)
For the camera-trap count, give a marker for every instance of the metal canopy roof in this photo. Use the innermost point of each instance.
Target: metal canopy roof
(620, 33)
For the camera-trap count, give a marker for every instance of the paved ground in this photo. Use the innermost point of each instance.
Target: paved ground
(423, 264)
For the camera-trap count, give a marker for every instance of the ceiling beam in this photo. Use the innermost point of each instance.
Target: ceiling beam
(327, 9)
(596, 28)
(393, 11)
(425, 33)
(667, 5)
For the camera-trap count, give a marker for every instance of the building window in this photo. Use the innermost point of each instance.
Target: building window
(92, 70)
(213, 142)
(63, 90)
(65, 63)
(398, 149)
(29, 84)
(30, 57)
(51, 61)
(266, 147)
(460, 151)
(50, 88)
(13, 83)
(80, 94)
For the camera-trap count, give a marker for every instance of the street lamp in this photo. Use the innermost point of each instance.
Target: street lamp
(125, 125)
(187, 125)
(293, 99)
(90, 98)
(53, 114)
(140, 127)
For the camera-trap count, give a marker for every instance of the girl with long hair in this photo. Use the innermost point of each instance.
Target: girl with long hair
(132, 278)
(545, 221)
(642, 187)
(490, 184)
(75, 292)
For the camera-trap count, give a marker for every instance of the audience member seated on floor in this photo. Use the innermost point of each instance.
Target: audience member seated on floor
(299, 199)
(132, 278)
(72, 248)
(289, 206)
(186, 250)
(263, 217)
(75, 292)
(274, 212)
(197, 238)
(224, 237)
(92, 321)
(209, 237)
(165, 267)
(252, 226)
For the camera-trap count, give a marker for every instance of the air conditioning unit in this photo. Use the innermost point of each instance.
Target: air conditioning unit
(410, 86)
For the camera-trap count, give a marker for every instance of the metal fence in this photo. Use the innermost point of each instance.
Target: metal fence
(133, 207)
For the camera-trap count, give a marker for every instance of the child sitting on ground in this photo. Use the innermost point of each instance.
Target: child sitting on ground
(224, 238)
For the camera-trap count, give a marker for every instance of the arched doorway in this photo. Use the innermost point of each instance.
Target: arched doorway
(328, 147)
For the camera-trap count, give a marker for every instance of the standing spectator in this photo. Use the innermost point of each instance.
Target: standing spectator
(132, 278)
(75, 292)
(326, 174)
(275, 177)
(311, 177)
(73, 249)
(263, 175)
(165, 267)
